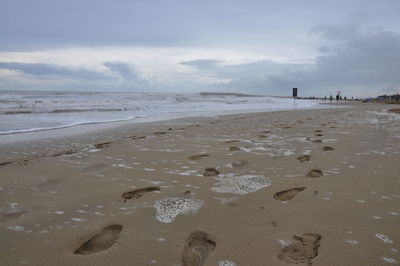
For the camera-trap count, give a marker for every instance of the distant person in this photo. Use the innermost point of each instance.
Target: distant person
(325, 99)
(330, 99)
(337, 98)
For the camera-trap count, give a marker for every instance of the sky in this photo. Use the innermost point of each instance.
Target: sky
(188, 46)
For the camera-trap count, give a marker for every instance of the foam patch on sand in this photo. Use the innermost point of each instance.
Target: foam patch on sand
(169, 208)
(241, 184)
(390, 260)
(384, 238)
(226, 263)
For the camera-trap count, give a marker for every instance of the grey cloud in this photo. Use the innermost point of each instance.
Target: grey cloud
(358, 61)
(202, 63)
(66, 78)
(44, 24)
(48, 70)
(125, 70)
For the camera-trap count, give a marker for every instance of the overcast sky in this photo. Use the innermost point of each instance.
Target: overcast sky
(254, 46)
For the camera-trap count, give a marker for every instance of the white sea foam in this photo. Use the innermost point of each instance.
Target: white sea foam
(390, 260)
(15, 228)
(241, 184)
(226, 263)
(352, 242)
(384, 238)
(168, 208)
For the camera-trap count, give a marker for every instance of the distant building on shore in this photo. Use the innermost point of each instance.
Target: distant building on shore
(394, 97)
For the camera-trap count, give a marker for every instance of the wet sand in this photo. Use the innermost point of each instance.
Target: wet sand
(311, 187)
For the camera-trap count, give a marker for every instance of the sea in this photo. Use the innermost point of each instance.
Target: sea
(30, 111)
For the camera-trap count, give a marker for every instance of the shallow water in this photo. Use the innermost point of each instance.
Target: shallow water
(35, 111)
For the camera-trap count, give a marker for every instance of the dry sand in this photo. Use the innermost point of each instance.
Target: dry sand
(318, 187)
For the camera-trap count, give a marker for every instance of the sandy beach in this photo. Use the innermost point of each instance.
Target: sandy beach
(311, 187)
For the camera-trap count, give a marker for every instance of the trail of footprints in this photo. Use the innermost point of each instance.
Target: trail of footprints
(200, 244)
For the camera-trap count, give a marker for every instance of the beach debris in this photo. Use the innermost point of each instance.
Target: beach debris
(198, 157)
(138, 193)
(304, 158)
(233, 148)
(101, 241)
(210, 172)
(241, 184)
(197, 248)
(305, 249)
(102, 145)
(168, 208)
(327, 148)
(314, 173)
(289, 194)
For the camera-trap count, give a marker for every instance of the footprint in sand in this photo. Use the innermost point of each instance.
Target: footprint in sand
(7, 215)
(303, 251)
(138, 193)
(94, 167)
(327, 148)
(210, 172)
(304, 158)
(317, 141)
(289, 194)
(197, 248)
(233, 148)
(136, 137)
(317, 131)
(67, 152)
(101, 241)
(314, 173)
(318, 135)
(198, 157)
(102, 145)
(232, 141)
(6, 163)
(239, 163)
(159, 133)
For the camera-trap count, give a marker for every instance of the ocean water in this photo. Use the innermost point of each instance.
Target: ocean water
(22, 112)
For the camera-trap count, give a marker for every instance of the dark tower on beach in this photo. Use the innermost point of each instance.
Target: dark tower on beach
(294, 92)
